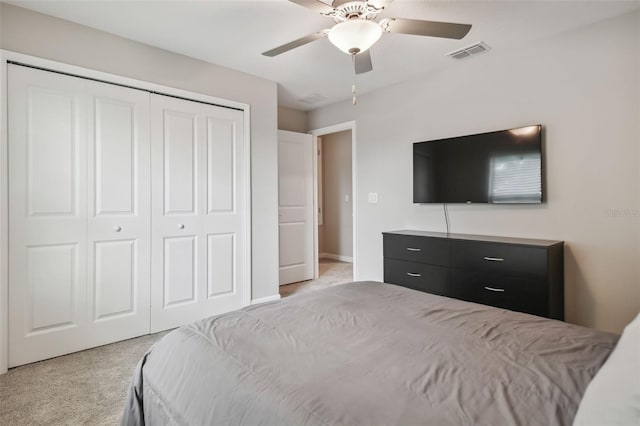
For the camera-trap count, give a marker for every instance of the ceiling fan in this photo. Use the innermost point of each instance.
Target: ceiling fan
(356, 28)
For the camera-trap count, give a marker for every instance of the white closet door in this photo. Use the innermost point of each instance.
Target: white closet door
(119, 213)
(198, 213)
(79, 196)
(48, 215)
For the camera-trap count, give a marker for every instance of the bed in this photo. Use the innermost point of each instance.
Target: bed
(367, 353)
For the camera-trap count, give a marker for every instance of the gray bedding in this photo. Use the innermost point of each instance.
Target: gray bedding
(367, 354)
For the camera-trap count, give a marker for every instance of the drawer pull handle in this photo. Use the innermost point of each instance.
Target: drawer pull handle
(413, 249)
(493, 259)
(411, 274)
(500, 290)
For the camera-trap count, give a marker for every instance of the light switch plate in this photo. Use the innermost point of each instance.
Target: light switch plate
(373, 197)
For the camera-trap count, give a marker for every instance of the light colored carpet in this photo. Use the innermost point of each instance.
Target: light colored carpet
(84, 388)
(332, 272)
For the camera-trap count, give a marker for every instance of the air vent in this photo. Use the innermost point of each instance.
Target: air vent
(473, 49)
(314, 98)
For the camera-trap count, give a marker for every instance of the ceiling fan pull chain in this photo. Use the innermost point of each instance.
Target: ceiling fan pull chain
(353, 86)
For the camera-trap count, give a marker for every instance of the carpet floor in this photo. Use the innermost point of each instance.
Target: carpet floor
(83, 388)
(332, 272)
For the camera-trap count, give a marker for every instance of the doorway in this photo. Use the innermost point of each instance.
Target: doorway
(335, 204)
(334, 224)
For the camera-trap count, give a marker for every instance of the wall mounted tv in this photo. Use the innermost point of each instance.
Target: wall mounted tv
(495, 167)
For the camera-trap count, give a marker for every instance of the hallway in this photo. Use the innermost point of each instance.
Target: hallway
(332, 272)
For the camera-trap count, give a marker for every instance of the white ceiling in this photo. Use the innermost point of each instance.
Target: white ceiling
(234, 33)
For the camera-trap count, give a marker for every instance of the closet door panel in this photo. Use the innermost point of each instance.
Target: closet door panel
(115, 144)
(176, 271)
(221, 149)
(52, 283)
(224, 221)
(119, 212)
(221, 257)
(116, 279)
(51, 147)
(47, 231)
(180, 270)
(179, 156)
(198, 211)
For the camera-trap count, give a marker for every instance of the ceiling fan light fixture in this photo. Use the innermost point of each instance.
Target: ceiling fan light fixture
(355, 35)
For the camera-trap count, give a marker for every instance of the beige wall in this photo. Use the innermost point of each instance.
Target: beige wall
(337, 228)
(40, 35)
(321, 240)
(293, 120)
(584, 87)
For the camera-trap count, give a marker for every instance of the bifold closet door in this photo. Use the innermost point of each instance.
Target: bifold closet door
(198, 211)
(119, 213)
(47, 215)
(78, 214)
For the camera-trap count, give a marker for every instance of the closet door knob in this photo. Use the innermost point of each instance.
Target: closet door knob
(180, 226)
(117, 228)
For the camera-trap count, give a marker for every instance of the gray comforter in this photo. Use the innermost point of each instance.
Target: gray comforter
(367, 354)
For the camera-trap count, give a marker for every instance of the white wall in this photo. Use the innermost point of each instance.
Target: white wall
(584, 87)
(293, 120)
(337, 228)
(35, 34)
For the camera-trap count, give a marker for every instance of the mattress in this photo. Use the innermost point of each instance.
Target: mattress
(367, 353)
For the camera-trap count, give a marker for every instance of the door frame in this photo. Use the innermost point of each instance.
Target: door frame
(7, 56)
(323, 131)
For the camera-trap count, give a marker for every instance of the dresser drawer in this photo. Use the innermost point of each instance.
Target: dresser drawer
(434, 251)
(418, 276)
(499, 258)
(514, 292)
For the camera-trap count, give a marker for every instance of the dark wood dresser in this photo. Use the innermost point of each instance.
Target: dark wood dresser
(520, 274)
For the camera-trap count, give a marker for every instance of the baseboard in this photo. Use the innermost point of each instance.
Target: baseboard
(265, 299)
(336, 257)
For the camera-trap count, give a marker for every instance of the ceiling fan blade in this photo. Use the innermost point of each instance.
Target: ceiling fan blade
(427, 28)
(315, 5)
(337, 3)
(296, 43)
(380, 3)
(363, 62)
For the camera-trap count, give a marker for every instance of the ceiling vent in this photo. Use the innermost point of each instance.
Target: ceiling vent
(313, 99)
(465, 52)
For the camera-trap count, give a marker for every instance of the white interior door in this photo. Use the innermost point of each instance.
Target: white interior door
(48, 215)
(295, 206)
(79, 214)
(119, 241)
(199, 211)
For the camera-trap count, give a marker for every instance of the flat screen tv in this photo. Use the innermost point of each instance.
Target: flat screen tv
(495, 167)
